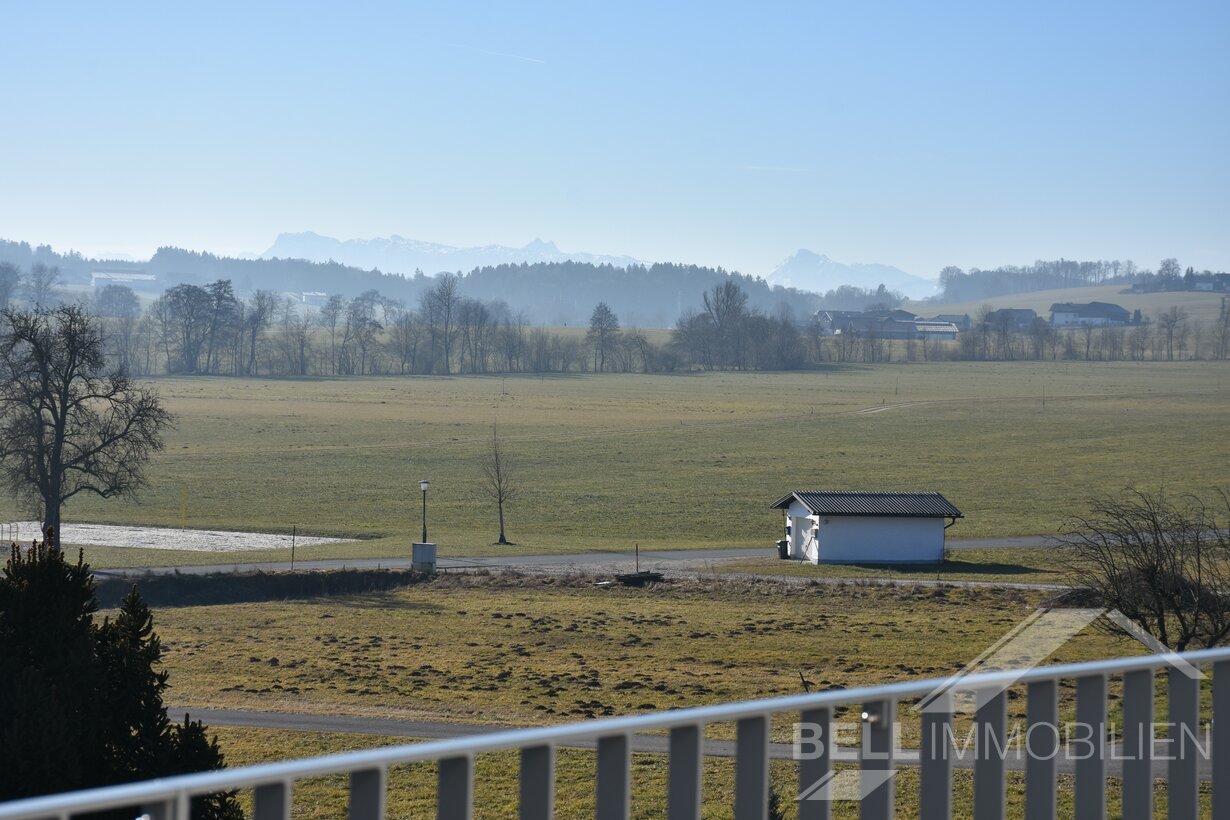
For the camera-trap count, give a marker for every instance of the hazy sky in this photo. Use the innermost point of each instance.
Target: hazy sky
(917, 134)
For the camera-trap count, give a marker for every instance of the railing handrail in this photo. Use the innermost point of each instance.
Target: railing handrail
(287, 771)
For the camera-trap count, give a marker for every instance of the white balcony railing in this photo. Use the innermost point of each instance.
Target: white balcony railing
(1188, 753)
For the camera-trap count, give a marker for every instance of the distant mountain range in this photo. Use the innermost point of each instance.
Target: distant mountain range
(396, 254)
(806, 270)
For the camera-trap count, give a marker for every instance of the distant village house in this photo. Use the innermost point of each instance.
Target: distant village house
(102, 278)
(1095, 314)
(1016, 319)
(884, 324)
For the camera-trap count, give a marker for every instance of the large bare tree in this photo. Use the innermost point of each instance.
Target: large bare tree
(1163, 563)
(499, 472)
(68, 425)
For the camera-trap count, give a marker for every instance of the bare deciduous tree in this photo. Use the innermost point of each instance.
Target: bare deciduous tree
(66, 426)
(41, 284)
(1171, 324)
(10, 282)
(1164, 564)
(499, 474)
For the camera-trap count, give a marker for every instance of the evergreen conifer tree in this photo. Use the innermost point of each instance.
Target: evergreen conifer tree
(80, 702)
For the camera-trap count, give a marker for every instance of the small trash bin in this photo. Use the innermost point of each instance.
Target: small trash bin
(783, 551)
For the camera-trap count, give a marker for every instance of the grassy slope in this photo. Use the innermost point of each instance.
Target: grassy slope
(666, 461)
(1200, 307)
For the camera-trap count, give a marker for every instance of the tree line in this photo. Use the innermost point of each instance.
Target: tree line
(957, 285)
(210, 330)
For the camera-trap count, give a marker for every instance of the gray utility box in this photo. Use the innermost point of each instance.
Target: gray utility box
(423, 557)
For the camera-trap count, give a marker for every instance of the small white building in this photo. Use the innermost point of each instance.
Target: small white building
(866, 528)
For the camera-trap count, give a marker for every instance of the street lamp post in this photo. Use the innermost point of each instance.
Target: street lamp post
(423, 485)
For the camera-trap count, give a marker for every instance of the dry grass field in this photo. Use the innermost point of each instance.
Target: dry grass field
(519, 650)
(666, 461)
(526, 651)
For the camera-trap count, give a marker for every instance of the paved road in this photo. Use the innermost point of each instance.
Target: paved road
(623, 561)
(654, 744)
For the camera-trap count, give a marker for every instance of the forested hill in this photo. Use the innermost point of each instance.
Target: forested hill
(174, 266)
(555, 293)
(558, 293)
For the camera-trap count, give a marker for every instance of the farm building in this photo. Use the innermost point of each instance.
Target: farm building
(883, 324)
(866, 528)
(1067, 314)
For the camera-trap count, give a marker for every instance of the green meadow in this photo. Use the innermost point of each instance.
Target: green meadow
(666, 461)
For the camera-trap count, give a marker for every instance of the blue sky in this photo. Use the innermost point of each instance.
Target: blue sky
(914, 134)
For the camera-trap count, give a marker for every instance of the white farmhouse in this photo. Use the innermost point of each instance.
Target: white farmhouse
(866, 528)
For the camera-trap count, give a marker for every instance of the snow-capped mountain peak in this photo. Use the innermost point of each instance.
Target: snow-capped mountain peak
(808, 270)
(398, 254)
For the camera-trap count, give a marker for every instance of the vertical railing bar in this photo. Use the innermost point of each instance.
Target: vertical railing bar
(990, 788)
(1137, 756)
(752, 768)
(876, 764)
(614, 778)
(684, 773)
(814, 770)
(368, 788)
(537, 798)
(162, 810)
(935, 759)
(1041, 749)
(157, 811)
(1221, 741)
(271, 801)
(1183, 775)
(1089, 793)
(455, 797)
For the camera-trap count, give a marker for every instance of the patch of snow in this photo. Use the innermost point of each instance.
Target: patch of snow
(166, 538)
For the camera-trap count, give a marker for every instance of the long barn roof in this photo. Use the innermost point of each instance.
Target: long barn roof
(914, 505)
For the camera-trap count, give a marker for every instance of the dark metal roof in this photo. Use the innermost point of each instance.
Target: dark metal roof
(915, 505)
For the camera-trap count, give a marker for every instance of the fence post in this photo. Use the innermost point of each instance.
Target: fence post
(367, 794)
(935, 759)
(684, 772)
(537, 783)
(1138, 745)
(989, 786)
(813, 770)
(614, 778)
(876, 778)
(1183, 775)
(1089, 795)
(752, 768)
(271, 802)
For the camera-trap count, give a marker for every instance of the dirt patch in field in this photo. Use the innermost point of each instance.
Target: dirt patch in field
(164, 538)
